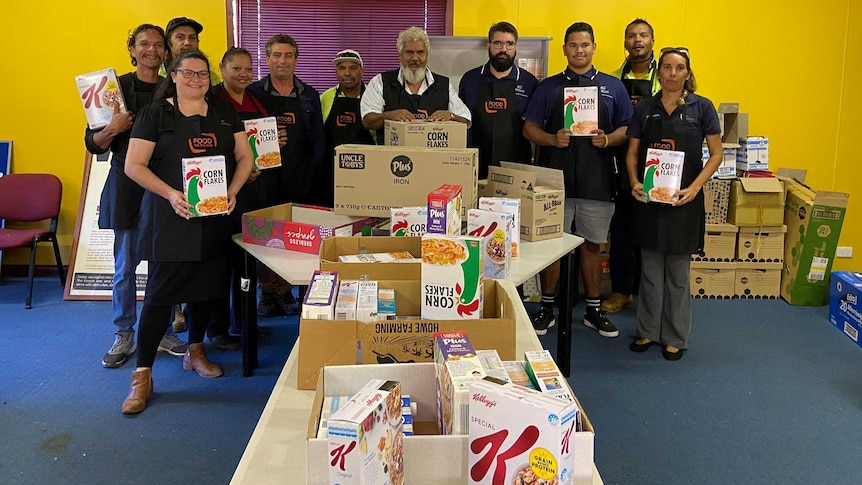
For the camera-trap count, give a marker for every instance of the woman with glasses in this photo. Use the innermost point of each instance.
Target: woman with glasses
(674, 122)
(188, 257)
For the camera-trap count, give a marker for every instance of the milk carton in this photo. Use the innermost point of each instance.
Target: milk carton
(408, 221)
(512, 206)
(366, 437)
(581, 110)
(262, 136)
(452, 277)
(99, 92)
(205, 185)
(457, 367)
(444, 210)
(495, 229)
(662, 175)
(519, 436)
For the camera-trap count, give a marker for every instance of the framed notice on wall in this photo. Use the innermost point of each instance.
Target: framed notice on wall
(91, 269)
(5, 166)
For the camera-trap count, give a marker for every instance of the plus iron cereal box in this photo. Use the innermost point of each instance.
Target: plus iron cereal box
(99, 92)
(512, 206)
(662, 174)
(495, 229)
(444, 210)
(408, 221)
(457, 366)
(262, 136)
(519, 436)
(366, 437)
(205, 185)
(452, 277)
(581, 110)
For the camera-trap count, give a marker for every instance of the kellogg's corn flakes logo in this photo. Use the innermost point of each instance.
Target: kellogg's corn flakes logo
(200, 144)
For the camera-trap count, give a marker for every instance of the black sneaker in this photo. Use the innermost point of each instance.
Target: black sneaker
(543, 320)
(596, 320)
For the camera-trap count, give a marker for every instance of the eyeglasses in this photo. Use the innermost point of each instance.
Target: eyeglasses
(188, 73)
(499, 44)
(684, 50)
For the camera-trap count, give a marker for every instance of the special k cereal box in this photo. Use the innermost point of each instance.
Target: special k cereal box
(205, 185)
(512, 206)
(408, 221)
(366, 437)
(100, 91)
(581, 110)
(495, 229)
(662, 174)
(262, 136)
(519, 436)
(444, 210)
(457, 366)
(545, 375)
(452, 277)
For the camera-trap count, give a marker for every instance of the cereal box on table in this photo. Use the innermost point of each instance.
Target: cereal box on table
(205, 185)
(452, 277)
(444, 210)
(100, 92)
(495, 229)
(512, 206)
(262, 136)
(408, 221)
(662, 175)
(457, 366)
(581, 110)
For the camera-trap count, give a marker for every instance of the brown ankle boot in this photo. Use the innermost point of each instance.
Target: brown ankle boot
(196, 359)
(140, 392)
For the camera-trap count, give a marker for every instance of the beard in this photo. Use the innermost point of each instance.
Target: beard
(501, 62)
(413, 76)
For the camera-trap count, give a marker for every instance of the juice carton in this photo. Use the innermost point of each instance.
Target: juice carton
(408, 221)
(452, 277)
(319, 303)
(512, 206)
(262, 136)
(205, 185)
(100, 91)
(495, 229)
(457, 367)
(662, 174)
(444, 210)
(581, 110)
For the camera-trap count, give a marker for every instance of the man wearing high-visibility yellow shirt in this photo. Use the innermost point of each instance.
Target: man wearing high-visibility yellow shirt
(183, 34)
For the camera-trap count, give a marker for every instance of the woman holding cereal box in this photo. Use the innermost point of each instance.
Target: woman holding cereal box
(192, 158)
(664, 163)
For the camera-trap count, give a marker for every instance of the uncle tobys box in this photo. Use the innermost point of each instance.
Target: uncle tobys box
(99, 92)
(262, 136)
(452, 277)
(581, 110)
(662, 175)
(205, 185)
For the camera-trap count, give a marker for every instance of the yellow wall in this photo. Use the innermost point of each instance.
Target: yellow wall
(775, 61)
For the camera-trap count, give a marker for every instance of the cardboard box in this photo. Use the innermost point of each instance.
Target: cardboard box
(765, 244)
(712, 280)
(345, 304)
(753, 154)
(496, 229)
(262, 136)
(99, 91)
(299, 228)
(457, 367)
(408, 221)
(333, 342)
(320, 297)
(502, 204)
(205, 185)
(425, 134)
(545, 375)
(453, 276)
(758, 280)
(518, 373)
(542, 193)
(756, 202)
(727, 168)
(719, 243)
(734, 125)
(581, 110)
(370, 180)
(493, 364)
(814, 220)
(445, 458)
(844, 310)
(444, 210)
(716, 200)
(663, 174)
(332, 248)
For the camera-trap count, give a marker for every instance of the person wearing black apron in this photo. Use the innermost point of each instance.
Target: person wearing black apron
(497, 93)
(188, 257)
(667, 234)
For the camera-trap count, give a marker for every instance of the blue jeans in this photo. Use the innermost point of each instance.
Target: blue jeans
(126, 260)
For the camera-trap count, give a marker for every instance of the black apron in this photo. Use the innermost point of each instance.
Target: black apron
(663, 227)
(638, 89)
(395, 96)
(497, 126)
(294, 183)
(588, 170)
(344, 125)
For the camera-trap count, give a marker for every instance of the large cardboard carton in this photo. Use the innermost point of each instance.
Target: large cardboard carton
(756, 202)
(542, 193)
(757, 280)
(719, 243)
(370, 180)
(425, 134)
(734, 125)
(712, 280)
(765, 244)
(334, 342)
(716, 194)
(332, 248)
(845, 312)
(427, 454)
(299, 228)
(753, 154)
(814, 221)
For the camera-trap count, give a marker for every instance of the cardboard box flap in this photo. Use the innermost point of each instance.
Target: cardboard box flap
(720, 228)
(765, 185)
(831, 199)
(322, 216)
(512, 179)
(547, 177)
(728, 108)
(797, 174)
(334, 247)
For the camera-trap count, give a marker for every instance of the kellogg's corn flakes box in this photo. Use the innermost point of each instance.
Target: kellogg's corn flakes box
(262, 136)
(495, 229)
(512, 206)
(408, 221)
(662, 175)
(581, 110)
(452, 277)
(205, 185)
(100, 91)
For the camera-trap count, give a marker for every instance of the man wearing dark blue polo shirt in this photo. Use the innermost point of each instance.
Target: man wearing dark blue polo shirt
(497, 94)
(587, 163)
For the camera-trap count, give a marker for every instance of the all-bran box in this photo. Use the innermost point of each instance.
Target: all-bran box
(205, 185)
(366, 437)
(262, 136)
(581, 110)
(662, 175)
(99, 92)
(457, 366)
(452, 277)
(444, 210)
(495, 228)
(512, 206)
(408, 221)
(519, 436)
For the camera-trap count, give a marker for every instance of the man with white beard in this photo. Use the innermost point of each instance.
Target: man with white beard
(412, 91)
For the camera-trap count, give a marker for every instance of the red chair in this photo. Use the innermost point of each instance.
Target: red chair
(31, 197)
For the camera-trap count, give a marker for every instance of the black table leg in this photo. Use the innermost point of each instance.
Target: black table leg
(249, 314)
(564, 318)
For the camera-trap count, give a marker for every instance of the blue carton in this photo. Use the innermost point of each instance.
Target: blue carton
(845, 290)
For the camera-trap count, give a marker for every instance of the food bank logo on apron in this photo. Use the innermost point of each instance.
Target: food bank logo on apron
(664, 144)
(287, 119)
(496, 104)
(200, 144)
(346, 119)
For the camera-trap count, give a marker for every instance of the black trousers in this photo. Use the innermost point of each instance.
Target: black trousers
(623, 257)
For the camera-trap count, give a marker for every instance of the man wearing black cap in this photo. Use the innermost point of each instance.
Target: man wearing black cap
(184, 35)
(341, 121)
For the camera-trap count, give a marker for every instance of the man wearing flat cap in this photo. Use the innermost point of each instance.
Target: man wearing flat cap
(183, 34)
(341, 119)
